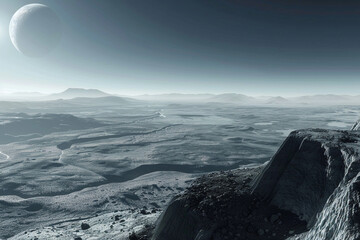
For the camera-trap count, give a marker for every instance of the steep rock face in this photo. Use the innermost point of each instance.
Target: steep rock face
(319, 182)
(187, 221)
(304, 173)
(339, 218)
(314, 177)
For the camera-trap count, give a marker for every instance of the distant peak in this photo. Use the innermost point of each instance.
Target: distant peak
(82, 90)
(79, 92)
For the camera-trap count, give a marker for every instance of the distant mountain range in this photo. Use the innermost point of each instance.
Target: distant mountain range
(69, 93)
(328, 99)
(174, 97)
(229, 98)
(77, 93)
(234, 98)
(277, 100)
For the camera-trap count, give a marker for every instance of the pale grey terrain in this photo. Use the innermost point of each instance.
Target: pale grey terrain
(82, 160)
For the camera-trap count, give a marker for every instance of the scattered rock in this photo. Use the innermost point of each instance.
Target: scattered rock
(144, 212)
(85, 226)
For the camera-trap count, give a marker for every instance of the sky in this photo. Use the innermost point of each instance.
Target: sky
(253, 47)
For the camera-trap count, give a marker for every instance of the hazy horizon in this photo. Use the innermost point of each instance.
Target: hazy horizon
(61, 90)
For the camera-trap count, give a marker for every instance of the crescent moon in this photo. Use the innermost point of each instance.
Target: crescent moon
(34, 30)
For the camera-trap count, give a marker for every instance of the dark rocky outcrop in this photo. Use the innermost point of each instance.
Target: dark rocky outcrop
(85, 226)
(309, 190)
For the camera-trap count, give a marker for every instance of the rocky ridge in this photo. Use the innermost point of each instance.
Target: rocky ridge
(309, 190)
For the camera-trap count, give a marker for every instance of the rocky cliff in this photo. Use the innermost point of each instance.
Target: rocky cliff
(309, 190)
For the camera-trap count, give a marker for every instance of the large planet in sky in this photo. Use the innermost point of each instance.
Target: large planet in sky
(35, 30)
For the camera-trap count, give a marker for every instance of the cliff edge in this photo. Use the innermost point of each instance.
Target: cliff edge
(309, 190)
